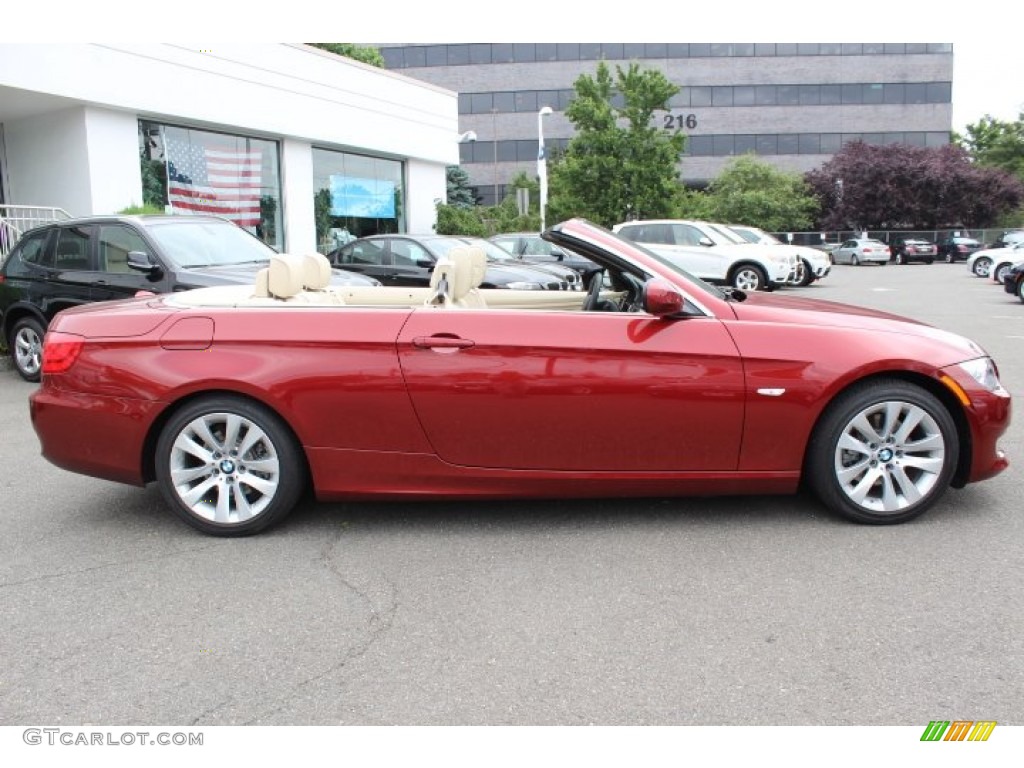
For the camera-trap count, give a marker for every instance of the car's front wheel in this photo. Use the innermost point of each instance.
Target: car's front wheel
(949, 257)
(982, 266)
(26, 344)
(808, 275)
(884, 452)
(1001, 272)
(854, 261)
(748, 277)
(900, 259)
(228, 466)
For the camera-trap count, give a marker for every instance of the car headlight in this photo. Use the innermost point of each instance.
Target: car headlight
(983, 370)
(520, 285)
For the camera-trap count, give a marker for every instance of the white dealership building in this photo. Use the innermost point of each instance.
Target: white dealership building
(86, 128)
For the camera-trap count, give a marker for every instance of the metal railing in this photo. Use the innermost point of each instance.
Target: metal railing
(15, 220)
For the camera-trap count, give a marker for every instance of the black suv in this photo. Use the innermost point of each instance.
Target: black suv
(100, 258)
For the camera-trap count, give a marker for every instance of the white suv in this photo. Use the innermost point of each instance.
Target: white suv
(713, 253)
(816, 264)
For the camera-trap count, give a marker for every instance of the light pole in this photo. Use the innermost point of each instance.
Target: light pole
(542, 163)
(494, 136)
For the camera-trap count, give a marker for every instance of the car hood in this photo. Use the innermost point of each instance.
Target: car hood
(502, 274)
(242, 274)
(759, 307)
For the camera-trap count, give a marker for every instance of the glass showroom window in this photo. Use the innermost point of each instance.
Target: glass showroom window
(355, 196)
(192, 172)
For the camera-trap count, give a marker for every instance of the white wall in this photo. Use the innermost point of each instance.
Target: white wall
(115, 181)
(84, 158)
(427, 183)
(47, 163)
(297, 194)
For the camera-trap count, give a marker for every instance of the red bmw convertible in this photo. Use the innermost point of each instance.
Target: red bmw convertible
(651, 383)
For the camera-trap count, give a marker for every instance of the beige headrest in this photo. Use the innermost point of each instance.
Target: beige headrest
(316, 271)
(262, 283)
(286, 276)
(470, 264)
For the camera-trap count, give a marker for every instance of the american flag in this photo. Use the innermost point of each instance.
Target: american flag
(217, 180)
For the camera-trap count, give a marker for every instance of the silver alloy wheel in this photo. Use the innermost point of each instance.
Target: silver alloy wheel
(1000, 272)
(28, 350)
(889, 456)
(748, 279)
(982, 267)
(224, 468)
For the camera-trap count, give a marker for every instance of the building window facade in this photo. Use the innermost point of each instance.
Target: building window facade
(355, 196)
(189, 171)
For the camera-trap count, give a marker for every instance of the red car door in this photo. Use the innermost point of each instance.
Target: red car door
(574, 390)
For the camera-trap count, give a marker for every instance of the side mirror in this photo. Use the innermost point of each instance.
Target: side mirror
(706, 241)
(661, 298)
(141, 261)
(425, 263)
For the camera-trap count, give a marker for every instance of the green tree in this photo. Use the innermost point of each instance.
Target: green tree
(751, 192)
(362, 53)
(995, 144)
(619, 164)
(459, 191)
(484, 221)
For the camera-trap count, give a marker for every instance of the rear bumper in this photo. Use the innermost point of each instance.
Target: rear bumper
(116, 429)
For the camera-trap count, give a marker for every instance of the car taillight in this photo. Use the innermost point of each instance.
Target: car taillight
(60, 351)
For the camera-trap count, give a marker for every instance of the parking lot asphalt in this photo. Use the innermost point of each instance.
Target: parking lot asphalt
(721, 611)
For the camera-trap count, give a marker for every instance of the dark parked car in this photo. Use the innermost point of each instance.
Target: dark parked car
(101, 258)
(957, 248)
(905, 250)
(1013, 280)
(532, 248)
(409, 259)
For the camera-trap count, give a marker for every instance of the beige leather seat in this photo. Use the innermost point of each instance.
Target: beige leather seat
(316, 272)
(283, 279)
(456, 279)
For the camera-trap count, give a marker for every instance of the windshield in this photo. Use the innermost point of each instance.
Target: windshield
(730, 236)
(494, 252)
(207, 243)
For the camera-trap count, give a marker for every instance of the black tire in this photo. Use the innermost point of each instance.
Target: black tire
(854, 261)
(949, 257)
(749, 277)
(982, 267)
(249, 490)
(808, 276)
(929, 261)
(1020, 290)
(900, 259)
(1000, 272)
(26, 347)
(882, 478)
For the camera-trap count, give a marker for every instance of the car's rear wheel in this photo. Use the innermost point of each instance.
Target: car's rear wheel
(949, 257)
(884, 452)
(749, 277)
(901, 259)
(1020, 289)
(982, 266)
(26, 345)
(229, 467)
(1000, 272)
(854, 261)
